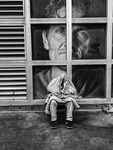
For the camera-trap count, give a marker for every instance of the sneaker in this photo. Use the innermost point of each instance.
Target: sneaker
(69, 124)
(53, 124)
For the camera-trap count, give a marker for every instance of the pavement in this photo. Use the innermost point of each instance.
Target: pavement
(30, 130)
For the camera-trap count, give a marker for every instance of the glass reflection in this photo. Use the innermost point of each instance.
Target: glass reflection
(89, 81)
(88, 8)
(88, 42)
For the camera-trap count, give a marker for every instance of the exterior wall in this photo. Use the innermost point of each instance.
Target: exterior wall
(24, 21)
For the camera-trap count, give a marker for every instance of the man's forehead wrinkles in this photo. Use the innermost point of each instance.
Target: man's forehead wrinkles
(54, 27)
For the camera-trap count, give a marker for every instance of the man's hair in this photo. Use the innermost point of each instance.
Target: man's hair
(54, 5)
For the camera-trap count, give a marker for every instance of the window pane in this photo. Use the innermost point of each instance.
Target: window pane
(48, 8)
(88, 8)
(89, 80)
(42, 75)
(88, 42)
(49, 42)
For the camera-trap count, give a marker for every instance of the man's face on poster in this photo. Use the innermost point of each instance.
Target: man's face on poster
(55, 39)
(55, 42)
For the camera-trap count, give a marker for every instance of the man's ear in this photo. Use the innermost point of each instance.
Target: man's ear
(45, 41)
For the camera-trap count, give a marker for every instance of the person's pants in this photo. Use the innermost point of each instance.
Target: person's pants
(69, 110)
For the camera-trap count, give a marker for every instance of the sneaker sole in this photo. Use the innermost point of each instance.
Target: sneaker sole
(69, 127)
(53, 127)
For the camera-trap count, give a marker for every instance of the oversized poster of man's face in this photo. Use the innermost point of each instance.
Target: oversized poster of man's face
(90, 43)
(87, 40)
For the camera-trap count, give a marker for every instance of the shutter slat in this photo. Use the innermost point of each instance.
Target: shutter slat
(8, 32)
(13, 93)
(12, 83)
(9, 58)
(13, 88)
(11, 48)
(13, 97)
(19, 73)
(6, 38)
(12, 69)
(12, 53)
(11, 27)
(8, 43)
(12, 0)
(12, 79)
(10, 6)
(11, 11)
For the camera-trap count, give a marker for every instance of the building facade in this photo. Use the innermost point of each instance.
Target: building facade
(22, 54)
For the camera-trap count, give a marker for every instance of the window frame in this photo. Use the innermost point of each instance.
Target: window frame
(29, 63)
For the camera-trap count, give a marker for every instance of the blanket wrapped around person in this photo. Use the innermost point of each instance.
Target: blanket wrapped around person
(61, 90)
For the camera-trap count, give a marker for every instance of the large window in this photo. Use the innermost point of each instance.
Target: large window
(39, 39)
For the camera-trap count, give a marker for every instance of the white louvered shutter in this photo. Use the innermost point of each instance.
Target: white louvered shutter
(11, 8)
(12, 83)
(12, 44)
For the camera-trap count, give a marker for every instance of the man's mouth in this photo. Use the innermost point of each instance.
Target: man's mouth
(62, 52)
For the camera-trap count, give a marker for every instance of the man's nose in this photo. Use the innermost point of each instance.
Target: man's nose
(61, 13)
(64, 43)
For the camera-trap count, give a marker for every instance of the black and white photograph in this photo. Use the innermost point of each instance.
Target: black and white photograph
(56, 74)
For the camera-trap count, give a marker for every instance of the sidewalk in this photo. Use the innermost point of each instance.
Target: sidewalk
(31, 131)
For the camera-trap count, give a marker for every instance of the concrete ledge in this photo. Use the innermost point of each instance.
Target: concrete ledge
(39, 108)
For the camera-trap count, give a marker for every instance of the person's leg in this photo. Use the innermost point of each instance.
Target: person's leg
(69, 111)
(53, 110)
(69, 115)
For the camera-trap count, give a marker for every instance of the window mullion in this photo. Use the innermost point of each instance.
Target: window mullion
(69, 36)
(109, 51)
(28, 52)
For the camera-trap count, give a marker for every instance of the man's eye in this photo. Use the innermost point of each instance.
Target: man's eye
(60, 30)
